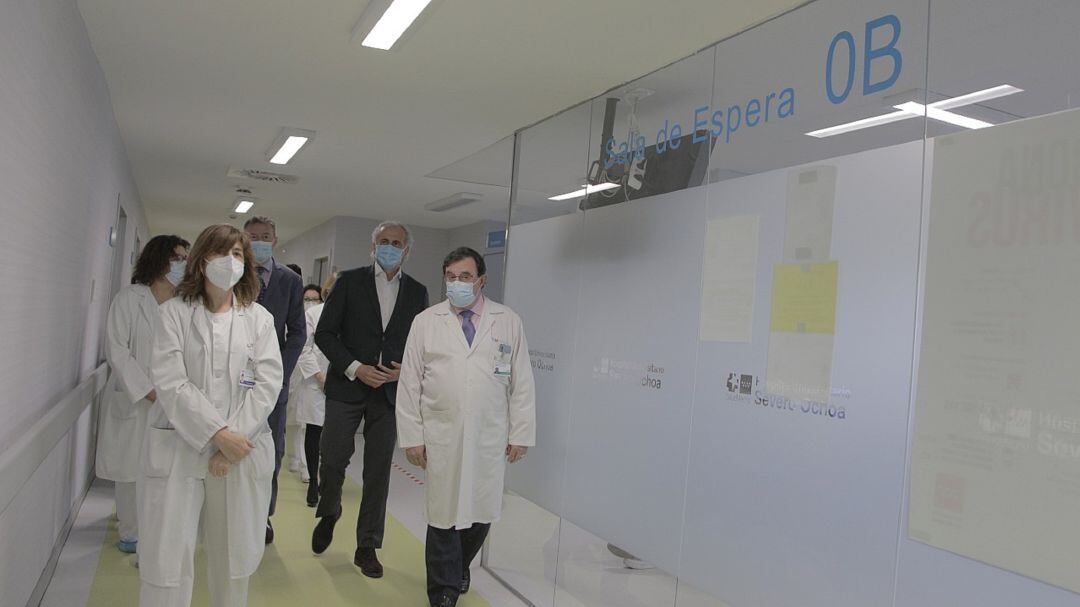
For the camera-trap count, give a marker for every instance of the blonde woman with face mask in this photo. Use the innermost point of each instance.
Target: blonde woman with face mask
(208, 454)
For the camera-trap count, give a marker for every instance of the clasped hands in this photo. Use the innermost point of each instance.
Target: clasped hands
(376, 376)
(232, 449)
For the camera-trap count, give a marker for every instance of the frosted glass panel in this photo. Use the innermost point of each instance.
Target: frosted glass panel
(626, 458)
(788, 485)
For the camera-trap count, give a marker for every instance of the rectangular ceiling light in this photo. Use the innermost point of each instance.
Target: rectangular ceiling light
(917, 109)
(243, 205)
(453, 201)
(397, 18)
(289, 149)
(976, 97)
(287, 144)
(857, 125)
(589, 189)
(936, 110)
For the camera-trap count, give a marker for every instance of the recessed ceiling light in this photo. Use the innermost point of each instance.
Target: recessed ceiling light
(857, 125)
(936, 110)
(393, 23)
(244, 204)
(287, 144)
(917, 109)
(453, 201)
(976, 97)
(586, 190)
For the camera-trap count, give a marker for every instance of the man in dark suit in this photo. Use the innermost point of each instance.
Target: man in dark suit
(362, 332)
(282, 294)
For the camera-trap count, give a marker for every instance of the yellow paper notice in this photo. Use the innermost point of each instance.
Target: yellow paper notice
(804, 298)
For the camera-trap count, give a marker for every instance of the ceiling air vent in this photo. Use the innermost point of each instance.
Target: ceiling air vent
(452, 202)
(265, 176)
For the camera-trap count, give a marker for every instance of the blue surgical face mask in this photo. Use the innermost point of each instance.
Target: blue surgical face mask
(460, 294)
(389, 256)
(263, 251)
(176, 271)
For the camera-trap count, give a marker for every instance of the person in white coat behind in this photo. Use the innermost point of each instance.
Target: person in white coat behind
(465, 405)
(208, 454)
(129, 340)
(310, 396)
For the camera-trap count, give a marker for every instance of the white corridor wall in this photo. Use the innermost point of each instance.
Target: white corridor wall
(64, 171)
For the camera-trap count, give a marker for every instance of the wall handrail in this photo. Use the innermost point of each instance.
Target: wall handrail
(19, 462)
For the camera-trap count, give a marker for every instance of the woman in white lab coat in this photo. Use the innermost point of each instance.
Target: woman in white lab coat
(208, 454)
(129, 340)
(310, 398)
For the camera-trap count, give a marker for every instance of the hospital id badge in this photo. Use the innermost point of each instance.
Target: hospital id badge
(502, 360)
(247, 378)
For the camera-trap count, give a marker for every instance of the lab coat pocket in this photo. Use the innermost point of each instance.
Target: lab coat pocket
(117, 402)
(160, 452)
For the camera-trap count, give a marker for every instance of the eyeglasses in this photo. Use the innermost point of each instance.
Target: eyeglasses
(307, 299)
(465, 277)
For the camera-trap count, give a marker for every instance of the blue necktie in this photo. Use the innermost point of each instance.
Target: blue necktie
(467, 326)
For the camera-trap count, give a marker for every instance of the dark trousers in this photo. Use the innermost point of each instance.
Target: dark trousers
(277, 428)
(312, 434)
(449, 552)
(336, 449)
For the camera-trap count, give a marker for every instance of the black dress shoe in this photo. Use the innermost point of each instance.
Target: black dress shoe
(466, 581)
(445, 601)
(269, 533)
(313, 495)
(324, 533)
(368, 563)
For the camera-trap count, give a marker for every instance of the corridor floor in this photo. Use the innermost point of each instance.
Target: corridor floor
(93, 573)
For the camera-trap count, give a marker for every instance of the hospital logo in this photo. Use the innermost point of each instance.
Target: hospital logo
(741, 383)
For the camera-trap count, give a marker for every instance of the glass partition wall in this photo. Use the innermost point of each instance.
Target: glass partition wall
(799, 310)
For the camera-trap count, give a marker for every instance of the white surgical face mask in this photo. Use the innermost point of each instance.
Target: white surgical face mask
(310, 304)
(460, 294)
(263, 251)
(176, 271)
(225, 272)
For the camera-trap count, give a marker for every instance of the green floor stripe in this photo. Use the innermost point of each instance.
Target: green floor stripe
(289, 575)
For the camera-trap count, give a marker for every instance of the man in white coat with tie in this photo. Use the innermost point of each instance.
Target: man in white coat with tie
(465, 406)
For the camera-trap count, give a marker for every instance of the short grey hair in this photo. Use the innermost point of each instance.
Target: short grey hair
(263, 220)
(392, 224)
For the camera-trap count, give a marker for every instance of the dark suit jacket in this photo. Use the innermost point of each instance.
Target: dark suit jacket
(350, 329)
(284, 299)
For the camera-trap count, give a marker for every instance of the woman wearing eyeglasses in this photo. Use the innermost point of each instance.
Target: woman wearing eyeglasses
(310, 395)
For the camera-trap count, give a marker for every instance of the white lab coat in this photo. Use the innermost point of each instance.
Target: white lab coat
(129, 342)
(183, 421)
(310, 399)
(450, 400)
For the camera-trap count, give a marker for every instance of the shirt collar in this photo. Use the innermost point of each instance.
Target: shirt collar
(381, 273)
(477, 308)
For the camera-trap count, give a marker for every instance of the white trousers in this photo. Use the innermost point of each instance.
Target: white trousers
(224, 591)
(127, 512)
(298, 447)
